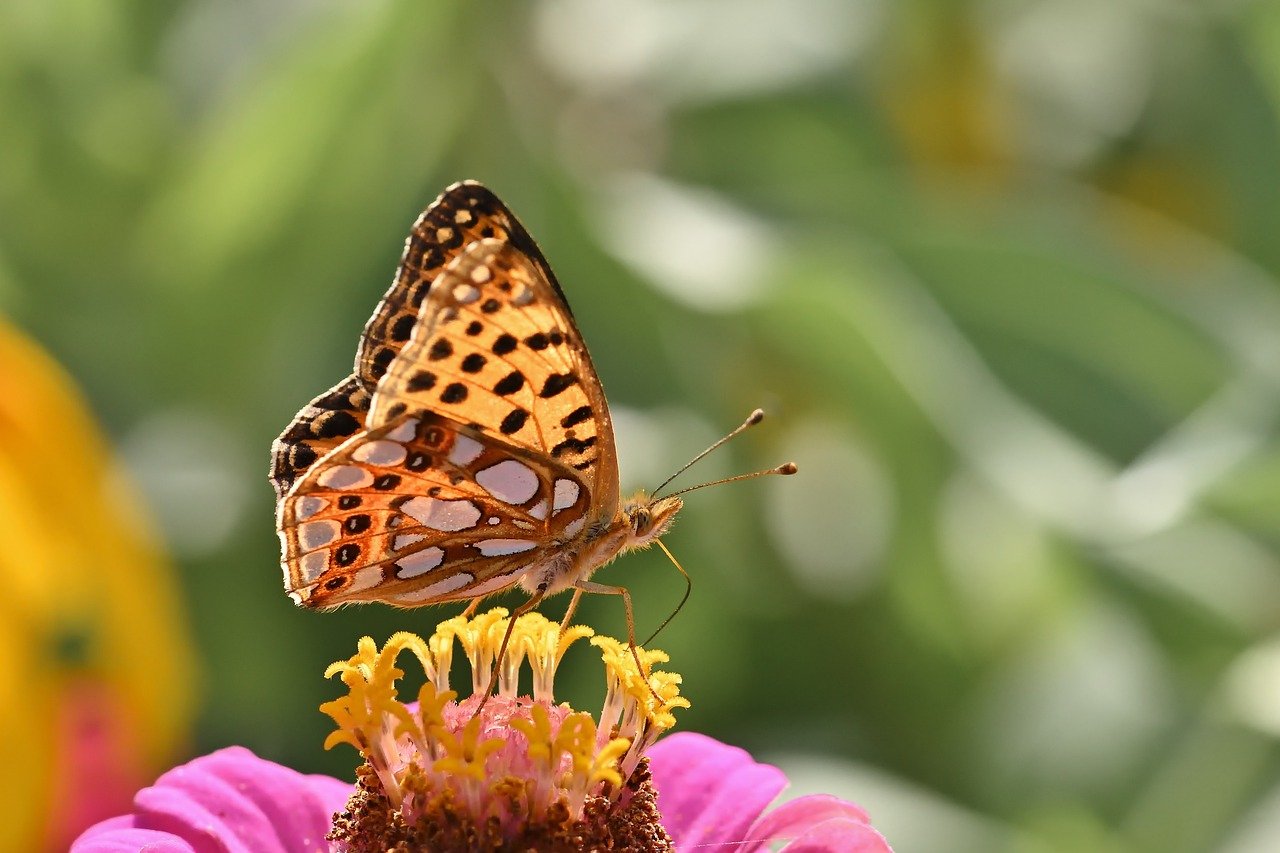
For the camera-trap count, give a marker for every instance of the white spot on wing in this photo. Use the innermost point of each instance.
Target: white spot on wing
(308, 505)
(465, 450)
(405, 432)
(481, 274)
(502, 547)
(493, 519)
(539, 510)
(566, 494)
(317, 534)
(524, 297)
(404, 540)
(496, 583)
(421, 562)
(313, 565)
(380, 453)
(462, 217)
(437, 589)
(574, 527)
(442, 515)
(346, 477)
(509, 481)
(365, 579)
(465, 294)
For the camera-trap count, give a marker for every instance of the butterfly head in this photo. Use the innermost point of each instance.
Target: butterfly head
(648, 519)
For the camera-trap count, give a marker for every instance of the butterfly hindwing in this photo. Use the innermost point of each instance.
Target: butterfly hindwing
(322, 425)
(424, 510)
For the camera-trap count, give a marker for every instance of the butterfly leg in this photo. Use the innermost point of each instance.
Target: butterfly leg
(568, 614)
(605, 589)
(506, 639)
(471, 609)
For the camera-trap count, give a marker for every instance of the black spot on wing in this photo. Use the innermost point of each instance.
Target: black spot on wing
(556, 383)
(402, 328)
(509, 384)
(514, 420)
(423, 380)
(302, 455)
(357, 523)
(576, 417)
(335, 425)
(574, 445)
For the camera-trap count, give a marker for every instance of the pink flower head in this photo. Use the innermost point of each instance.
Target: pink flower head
(510, 773)
(712, 795)
(230, 800)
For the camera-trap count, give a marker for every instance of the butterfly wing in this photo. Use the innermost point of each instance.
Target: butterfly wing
(462, 214)
(422, 510)
(484, 449)
(495, 348)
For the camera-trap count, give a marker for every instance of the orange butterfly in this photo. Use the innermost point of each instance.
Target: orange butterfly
(472, 448)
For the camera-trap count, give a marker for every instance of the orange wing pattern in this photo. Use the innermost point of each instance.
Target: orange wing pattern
(473, 443)
(462, 214)
(424, 510)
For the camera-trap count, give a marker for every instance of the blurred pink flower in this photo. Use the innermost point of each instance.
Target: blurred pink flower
(710, 795)
(97, 687)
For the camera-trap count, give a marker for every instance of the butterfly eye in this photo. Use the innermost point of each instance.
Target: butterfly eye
(640, 520)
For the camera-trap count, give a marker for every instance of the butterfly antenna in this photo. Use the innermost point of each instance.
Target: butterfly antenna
(688, 588)
(752, 419)
(786, 469)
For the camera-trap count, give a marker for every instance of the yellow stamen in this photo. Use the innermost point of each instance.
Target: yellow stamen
(444, 754)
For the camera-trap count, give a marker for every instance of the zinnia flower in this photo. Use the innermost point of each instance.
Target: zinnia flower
(503, 772)
(95, 694)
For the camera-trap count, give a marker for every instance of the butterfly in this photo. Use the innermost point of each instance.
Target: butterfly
(471, 450)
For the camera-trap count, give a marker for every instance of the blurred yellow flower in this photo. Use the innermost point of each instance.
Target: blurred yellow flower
(96, 695)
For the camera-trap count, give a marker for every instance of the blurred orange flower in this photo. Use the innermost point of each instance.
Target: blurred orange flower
(96, 695)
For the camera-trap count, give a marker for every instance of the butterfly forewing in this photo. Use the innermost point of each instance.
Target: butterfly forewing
(424, 510)
(463, 213)
(496, 349)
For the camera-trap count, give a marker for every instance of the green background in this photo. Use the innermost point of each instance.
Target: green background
(1003, 273)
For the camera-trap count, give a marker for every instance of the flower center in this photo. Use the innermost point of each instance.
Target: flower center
(512, 772)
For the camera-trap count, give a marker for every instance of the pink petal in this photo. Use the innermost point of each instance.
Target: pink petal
(839, 835)
(709, 793)
(792, 819)
(231, 801)
(118, 835)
